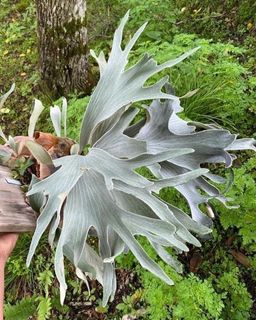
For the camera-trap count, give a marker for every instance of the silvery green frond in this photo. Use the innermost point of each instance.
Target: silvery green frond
(55, 114)
(59, 118)
(165, 129)
(119, 87)
(101, 194)
(242, 144)
(119, 144)
(37, 110)
(90, 195)
(162, 133)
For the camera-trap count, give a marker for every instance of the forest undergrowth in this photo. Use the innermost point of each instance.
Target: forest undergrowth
(219, 279)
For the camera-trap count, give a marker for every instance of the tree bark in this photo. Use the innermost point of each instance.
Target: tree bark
(63, 47)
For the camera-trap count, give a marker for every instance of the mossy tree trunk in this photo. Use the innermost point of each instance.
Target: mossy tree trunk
(63, 47)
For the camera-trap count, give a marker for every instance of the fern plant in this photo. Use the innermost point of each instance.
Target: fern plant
(22, 310)
(96, 190)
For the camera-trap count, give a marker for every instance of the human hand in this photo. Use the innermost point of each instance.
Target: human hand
(7, 244)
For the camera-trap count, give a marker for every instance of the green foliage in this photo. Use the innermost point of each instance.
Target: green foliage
(161, 17)
(237, 300)
(227, 279)
(20, 166)
(205, 303)
(129, 305)
(222, 292)
(16, 269)
(45, 280)
(221, 296)
(223, 83)
(44, 308)
(102, 17)
(18, 58)
(76, 108)
(21, 310)
(19, 278)
(189, 299)
(204, 17)
(243, 191)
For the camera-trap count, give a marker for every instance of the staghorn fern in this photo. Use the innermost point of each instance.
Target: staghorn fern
(97, 191)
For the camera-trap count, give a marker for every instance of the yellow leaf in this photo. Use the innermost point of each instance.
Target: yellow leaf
(249, 25)
(4, 110)
(23, 74)
(22, 55)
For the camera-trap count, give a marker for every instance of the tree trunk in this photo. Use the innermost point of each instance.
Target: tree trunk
(63, 47)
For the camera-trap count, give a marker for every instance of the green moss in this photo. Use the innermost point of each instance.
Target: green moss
(62, 34)
(75, 24)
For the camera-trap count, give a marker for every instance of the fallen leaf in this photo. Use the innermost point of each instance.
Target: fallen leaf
(230, 241)
(195, 262)
(241, 258)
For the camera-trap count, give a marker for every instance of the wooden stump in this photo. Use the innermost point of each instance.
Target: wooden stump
(15, 214)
